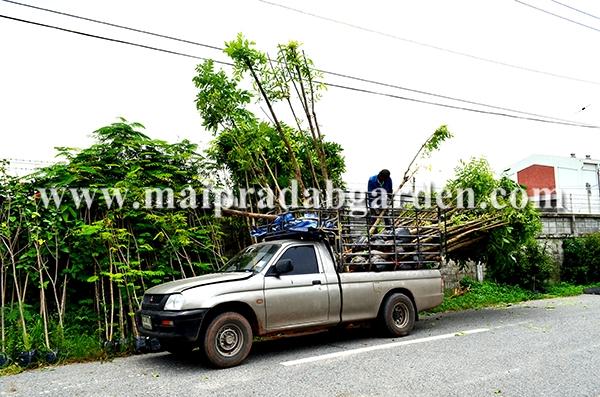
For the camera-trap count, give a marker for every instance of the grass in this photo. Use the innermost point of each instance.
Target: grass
(489, 294)
(12, 369)
(73, 349)
(92, 356)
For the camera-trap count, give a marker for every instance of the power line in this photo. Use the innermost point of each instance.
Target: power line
(575, 9)
(163, 36)
(361, 79)
(432, 46)
(557, 15)
(573, 124)
(442, 96)
(114, 40)
(460, 107)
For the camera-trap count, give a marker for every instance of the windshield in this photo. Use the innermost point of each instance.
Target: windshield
(252, 259)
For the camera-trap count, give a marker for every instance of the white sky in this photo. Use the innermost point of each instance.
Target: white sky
(56, 87)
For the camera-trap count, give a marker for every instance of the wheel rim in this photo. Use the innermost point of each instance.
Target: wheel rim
(400, 315)
(229, 340)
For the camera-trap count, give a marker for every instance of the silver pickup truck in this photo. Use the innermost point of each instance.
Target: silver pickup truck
(281, 286)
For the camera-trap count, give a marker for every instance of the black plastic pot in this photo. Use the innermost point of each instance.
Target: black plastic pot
(141, 345)
(110, 346)
(4, 360)
(154, 345)
(26, 358)
(51, 357)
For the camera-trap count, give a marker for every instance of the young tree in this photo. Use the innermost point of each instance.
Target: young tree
(270, 153)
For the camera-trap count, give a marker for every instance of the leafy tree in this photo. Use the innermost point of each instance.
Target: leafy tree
(266, 153)
(503, 237)
(105, 254)
(581, 262)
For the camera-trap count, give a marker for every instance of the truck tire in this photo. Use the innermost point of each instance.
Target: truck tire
(227, 340)
(398, 315)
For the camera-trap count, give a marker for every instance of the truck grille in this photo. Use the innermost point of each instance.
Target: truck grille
(154, 301)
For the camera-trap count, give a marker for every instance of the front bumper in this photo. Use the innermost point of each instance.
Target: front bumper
(186, 324)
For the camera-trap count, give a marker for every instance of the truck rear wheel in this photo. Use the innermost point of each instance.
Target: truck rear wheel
(227, 340)
(398, 315)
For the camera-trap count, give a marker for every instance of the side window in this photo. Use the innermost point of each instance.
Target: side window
(303, 258)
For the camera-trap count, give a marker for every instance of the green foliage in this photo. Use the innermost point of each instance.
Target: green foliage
(74, 274)
(529, 267)
(219, 99)
(509, 249)
(564, 289)
(581, 262)
(483, 294)
(476, 175)
(268, 153)
(488, 294)
(440, 135)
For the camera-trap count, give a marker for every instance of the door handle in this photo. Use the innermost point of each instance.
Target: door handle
(316, 282)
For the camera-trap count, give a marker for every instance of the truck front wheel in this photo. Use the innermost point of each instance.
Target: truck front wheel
(398, 315)
(227, 340)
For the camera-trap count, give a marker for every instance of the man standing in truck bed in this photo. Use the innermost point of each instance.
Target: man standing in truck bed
(379, 187)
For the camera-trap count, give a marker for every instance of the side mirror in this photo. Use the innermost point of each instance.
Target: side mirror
(283, 266)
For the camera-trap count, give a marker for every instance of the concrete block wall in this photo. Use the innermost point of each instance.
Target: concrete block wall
(558, 227)
(452, 273)
(569, 225)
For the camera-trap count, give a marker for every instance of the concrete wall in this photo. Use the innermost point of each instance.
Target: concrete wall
(568, 225)
(452, 273)
(558, 227)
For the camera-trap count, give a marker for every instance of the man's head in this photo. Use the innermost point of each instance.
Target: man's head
(383, 175)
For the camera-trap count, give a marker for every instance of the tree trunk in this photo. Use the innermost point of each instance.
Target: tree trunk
(282, 133)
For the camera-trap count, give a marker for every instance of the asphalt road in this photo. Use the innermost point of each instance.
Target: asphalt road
(538, 348)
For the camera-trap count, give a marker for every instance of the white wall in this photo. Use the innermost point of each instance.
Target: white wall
(571, 176)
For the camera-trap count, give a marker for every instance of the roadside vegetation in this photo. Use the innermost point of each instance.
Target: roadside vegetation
(471, 294)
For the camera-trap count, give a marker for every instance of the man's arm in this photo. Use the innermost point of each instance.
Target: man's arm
(388, 186)
(371, 185)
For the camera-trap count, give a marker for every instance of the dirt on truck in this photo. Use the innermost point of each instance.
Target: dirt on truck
(312, 269)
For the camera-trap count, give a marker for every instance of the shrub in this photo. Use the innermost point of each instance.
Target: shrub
(581, 263)
(529, 267)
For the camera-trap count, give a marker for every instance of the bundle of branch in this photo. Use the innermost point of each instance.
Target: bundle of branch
(456, 229)
(465, 235)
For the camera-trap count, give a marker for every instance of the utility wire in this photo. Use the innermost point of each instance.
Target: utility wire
(163, 36)
(573, 124)
(442, 96)
(114, 40)
(343, 75)
(435, 47)
(575, 9)
(557, 15)
(460, 107)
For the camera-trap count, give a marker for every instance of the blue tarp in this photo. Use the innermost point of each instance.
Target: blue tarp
(289, 223)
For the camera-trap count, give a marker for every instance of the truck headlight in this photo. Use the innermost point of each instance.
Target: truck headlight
(175, 302)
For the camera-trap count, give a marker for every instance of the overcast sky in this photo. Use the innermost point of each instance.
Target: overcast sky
(57, 87)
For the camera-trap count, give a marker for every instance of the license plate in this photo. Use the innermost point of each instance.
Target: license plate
(146, 322)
